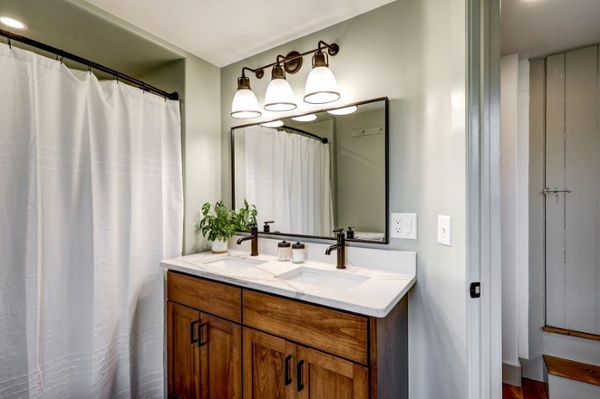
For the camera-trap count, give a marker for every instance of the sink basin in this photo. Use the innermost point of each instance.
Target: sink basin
(328, 279)
(233, 263)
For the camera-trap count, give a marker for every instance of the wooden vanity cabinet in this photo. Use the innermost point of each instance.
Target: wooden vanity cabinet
(277, 368)
(291, 349)
(204, 351)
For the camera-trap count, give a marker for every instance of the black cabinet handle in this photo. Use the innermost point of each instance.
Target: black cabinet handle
(202, 342)
(300, 376)
(193, 340)
(288, 380)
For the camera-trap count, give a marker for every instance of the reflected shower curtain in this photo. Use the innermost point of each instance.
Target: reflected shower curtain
(90, 201)
(288, 179)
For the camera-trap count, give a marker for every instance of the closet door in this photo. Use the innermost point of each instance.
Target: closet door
(573, 191)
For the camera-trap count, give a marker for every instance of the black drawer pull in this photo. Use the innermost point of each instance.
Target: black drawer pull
(300, 375)
(201, 341)
(288, 379)
(193, 340)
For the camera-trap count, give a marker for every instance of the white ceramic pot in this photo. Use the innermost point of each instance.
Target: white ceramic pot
(219, 247)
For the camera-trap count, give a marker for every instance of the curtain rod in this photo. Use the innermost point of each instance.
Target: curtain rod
(90, 64)
(314, 136)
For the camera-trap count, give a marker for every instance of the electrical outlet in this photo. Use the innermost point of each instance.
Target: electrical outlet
(404, 225)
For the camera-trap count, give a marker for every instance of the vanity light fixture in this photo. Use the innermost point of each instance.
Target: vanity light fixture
(245, 104)
(305, 118)
(13, 23)
(321, 86)
(272, 124)
(343, 111)
(279, 95)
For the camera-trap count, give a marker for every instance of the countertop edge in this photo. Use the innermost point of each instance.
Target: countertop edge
(378, 312)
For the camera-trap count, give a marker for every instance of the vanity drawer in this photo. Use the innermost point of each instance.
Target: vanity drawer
(210, 297)
(335, 332)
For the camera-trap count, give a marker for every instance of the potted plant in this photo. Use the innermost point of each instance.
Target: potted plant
(245, 217)
(217, 225)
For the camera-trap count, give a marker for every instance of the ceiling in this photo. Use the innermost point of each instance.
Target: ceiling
(539, 27)
(137, 36)
(67, 26)
(226, 31)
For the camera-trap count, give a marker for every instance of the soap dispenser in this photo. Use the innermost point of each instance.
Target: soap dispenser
(284, 250)
(298, 253)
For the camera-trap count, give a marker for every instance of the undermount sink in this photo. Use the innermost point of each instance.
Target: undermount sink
(234, 263)
(329, 279)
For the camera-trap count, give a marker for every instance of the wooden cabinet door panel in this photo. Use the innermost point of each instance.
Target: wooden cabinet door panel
(269, 366)
(220, 358)
(182, 349)
(324, 376)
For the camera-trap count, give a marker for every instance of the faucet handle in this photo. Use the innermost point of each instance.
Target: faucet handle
(350, 233)
(266, 227)
(339, 231)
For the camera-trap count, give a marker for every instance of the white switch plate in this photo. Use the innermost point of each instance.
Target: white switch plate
(404, 225)
(444, 235)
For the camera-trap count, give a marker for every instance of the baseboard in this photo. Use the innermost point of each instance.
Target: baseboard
(511, 374)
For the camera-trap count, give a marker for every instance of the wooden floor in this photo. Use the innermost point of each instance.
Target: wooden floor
(530, 390)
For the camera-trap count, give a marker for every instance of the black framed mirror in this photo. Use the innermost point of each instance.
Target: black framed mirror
(312, 173)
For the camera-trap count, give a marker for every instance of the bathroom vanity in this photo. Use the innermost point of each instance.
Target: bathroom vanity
(252, 327)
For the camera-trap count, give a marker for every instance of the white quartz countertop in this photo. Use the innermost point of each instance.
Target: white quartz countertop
(364, 290)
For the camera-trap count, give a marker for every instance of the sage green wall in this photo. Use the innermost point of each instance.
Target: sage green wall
(198, 83)
(202, 166)
(412, 51)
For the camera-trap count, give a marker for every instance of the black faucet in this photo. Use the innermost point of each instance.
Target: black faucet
(340, 247)
(254, 237)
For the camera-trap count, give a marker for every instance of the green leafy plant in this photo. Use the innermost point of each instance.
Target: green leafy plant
(245, 217)
(217, 222)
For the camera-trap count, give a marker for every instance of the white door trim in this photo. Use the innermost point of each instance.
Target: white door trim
(484, 322)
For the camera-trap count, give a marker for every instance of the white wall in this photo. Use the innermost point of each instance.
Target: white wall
(412, 51)
(515, 239)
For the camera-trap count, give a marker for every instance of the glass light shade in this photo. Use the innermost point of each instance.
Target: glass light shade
(305, 118)
(279, 96)
(245, 105)
(272, 124)
(13, 23)
(343, 111)
(321, 86)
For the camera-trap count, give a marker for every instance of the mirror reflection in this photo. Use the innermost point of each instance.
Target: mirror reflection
(310, 174)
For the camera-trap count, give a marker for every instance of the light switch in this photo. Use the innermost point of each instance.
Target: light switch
(444, 235)
(404, 225)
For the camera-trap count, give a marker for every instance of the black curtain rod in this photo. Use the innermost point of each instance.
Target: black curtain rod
(314, 136)
(90, 64)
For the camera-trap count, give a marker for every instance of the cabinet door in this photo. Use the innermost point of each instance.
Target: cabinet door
(220, 358)
(269, 366)
(182, 349)
(320, 375)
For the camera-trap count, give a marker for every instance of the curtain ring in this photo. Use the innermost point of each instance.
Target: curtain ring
(9, 41)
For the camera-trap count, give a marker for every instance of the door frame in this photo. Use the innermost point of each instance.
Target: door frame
(484, 314)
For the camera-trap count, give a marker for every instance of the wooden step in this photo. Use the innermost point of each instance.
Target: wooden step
(572, 370)
(571, 333)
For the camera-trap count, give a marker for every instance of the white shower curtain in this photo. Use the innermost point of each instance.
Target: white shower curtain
(288, 179)
(90, 201)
